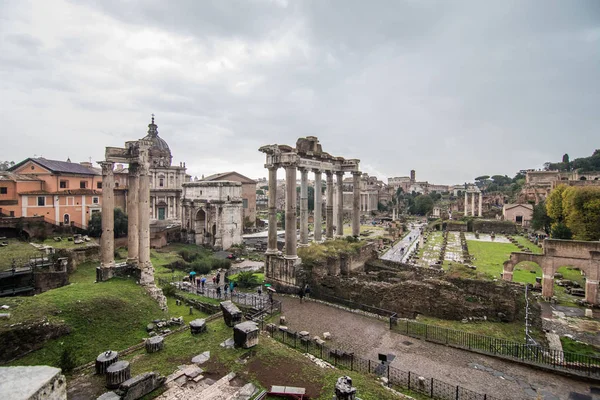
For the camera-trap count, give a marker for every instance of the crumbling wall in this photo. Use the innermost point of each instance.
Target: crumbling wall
(489, 226)
(47, 280)
(20, 339)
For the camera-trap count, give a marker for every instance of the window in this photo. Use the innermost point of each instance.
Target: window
(41, 201)
(245, 203)
(95, 200)
(98, 185)
(161, 182)
(3, 190)
(519, 219)
(64, 184)
(116, 184)
(11, 214)
(82, 184)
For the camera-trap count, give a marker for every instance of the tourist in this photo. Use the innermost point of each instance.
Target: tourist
(218, 292)
(203, 281)
(225, 287)
(214, 279)
(306, 290)
(218, 277)
(260, 290)
(301, 295)
(232, 285)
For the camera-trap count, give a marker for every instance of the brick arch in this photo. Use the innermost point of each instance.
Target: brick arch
(557, 253)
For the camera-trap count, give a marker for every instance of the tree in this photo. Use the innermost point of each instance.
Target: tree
(120, 225)
(565, 159)
(5, 165)
(423, 205)
(260, 192)
(554, 203)
(482, 178)
(561, 231)
(581, 210)
(540, 219)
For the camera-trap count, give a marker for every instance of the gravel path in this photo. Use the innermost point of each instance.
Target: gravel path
(367, 337)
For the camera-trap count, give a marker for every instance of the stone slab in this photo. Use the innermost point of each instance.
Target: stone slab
(201, 358)
(109, 396)
(24, 382)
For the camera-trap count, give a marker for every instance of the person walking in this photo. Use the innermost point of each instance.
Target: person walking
(218, 277)
(203, 281)
(301, 294)
(214, 279)
(306, 290)
(231, 287)
(218, 292)
(225, 287)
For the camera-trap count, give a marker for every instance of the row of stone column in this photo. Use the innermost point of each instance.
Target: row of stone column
(138, 215)
(479, 214)
(290, 208)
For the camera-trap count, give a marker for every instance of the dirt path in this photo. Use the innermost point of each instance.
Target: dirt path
(367, 337)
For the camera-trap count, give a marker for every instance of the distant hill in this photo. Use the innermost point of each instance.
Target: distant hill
(584, 164)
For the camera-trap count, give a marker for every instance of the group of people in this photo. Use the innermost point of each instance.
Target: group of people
(304, 291)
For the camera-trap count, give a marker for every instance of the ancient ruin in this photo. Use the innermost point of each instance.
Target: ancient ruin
(307, 156)
(136, 154)
(557, 253)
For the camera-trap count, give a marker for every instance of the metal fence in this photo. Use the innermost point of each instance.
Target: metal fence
(579, 364)
(396, 378)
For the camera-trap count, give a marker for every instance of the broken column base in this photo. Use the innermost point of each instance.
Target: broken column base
(281, 269)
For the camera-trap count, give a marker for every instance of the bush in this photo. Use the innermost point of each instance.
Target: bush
(246, 279)
(169, 290)
(188, 255)
(67, 360)
(219, 263)
(201, 266)
(351, 239)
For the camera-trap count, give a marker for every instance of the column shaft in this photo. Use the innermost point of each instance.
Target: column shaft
(591, 291)
(290, 212)
(329, 205)
(107, 239)
(144, 218)
(340, 204)
(272, 241)
(318, 213)
(473, 204)
(133, 189)
(466, 204)
(303, 207)
(356, 204)
(480, 203)
(547, 286)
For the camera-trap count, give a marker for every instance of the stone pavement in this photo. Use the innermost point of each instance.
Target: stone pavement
(368, 337)
(396, 253)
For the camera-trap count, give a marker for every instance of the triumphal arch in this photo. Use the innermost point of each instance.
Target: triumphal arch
(137, 155)
(307, 156)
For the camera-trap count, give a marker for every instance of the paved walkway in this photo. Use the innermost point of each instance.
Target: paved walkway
(368, 337)
(400, 251)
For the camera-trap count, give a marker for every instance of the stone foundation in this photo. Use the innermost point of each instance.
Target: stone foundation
(33, 383)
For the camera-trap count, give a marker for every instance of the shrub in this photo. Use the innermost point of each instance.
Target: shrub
(67, 360)
(246, 279)
(201, 266)
(169, 290)
(219, 263)
(188, 255)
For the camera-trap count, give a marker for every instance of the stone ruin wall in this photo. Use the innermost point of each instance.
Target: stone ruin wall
(498, 227)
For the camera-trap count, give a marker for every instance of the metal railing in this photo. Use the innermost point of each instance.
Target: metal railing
(396, 377)
(573, 363)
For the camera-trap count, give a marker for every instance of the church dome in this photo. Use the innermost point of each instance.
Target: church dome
(160, 154)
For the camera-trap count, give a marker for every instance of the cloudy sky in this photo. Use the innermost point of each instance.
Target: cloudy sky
(452, 89)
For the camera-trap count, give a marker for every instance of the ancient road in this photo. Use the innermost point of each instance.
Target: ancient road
(407, 243)
(367, 337)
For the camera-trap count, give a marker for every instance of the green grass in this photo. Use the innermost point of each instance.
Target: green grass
(525, 242)
(65, 244)
(573, 346)
(17, 250)
(102, 316)
(260, 277)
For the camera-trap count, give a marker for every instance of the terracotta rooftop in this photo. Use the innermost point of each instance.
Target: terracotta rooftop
(65, 167)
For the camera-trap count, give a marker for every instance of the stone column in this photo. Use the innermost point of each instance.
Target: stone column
(356, 204)
(318, 214)
(340, 204)
(473, 204)
(133, 189)
(329, 205)
(147, 277)
(290, 212)
(303, 207)
(547, 285)
(466, 204)
(272, 241)
(107, 239)
(480, 203)
(591, 291)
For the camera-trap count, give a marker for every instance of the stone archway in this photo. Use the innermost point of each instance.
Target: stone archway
(200, 226)
(558, 253)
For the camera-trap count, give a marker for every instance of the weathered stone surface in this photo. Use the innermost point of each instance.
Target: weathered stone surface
(201, 358)
(117, 373)
(38, 382)
(154, 344)
(231, 313)
(344, 389)
(140, 385)
(228, 344)
(245, 334)
(198, 326)
(104, 360)
(109, 396)
(271, 327)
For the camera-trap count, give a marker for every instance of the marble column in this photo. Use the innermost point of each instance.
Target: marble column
(133, 189)
(480, 204)
(147, 277)
(318, 214)
(473, 204)
(329, 205)
(272, 241)
(466, 204)
(107, 239)
(356, 204)
(547, 285)
(340, 204)
(290, 212)
(303, 207)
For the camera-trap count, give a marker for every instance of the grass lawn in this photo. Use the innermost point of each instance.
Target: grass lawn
(573, 346)
(102, 316)
(523, 241)
(19, 251)
(260, 277)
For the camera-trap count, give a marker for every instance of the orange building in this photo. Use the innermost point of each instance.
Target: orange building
(64, 193)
